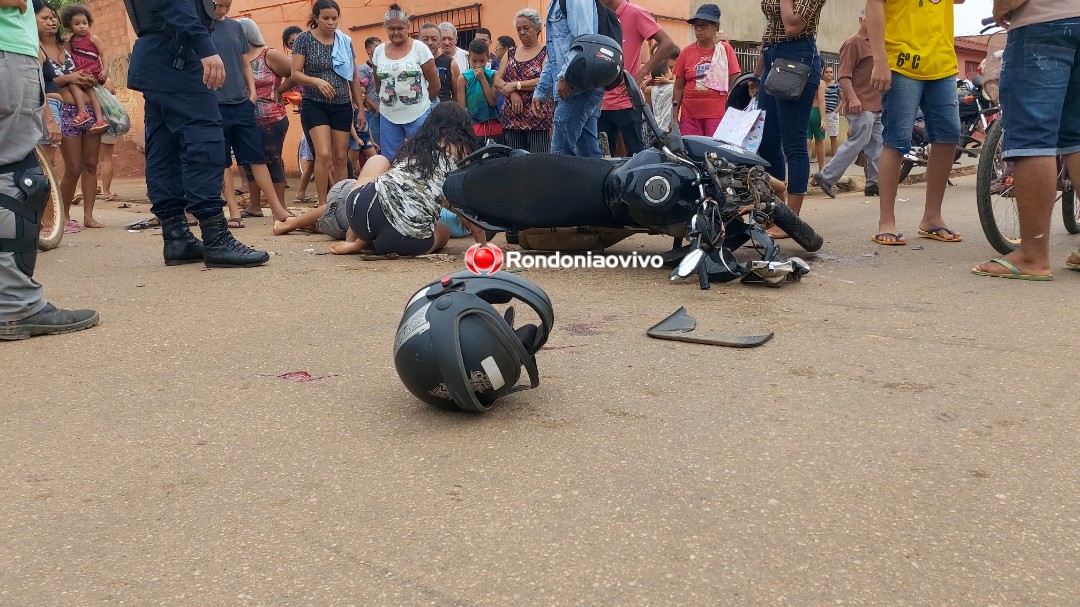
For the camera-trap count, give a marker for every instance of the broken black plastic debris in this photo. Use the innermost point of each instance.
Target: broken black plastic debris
(680, 325)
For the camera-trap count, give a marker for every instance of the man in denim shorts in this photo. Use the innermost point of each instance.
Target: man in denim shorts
(1040, 89)
(914, 65)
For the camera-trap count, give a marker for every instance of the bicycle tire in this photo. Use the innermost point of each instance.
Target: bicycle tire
(1069, 212)
(52, 219)
(796, 228)
(989, 164)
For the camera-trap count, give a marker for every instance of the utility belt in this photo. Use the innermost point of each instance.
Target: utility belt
(29, 178)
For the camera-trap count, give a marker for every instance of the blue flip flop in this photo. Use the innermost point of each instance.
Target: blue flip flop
(932, 234)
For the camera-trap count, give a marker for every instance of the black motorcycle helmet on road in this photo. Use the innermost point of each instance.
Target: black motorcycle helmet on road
(595, 61)
(453, 349)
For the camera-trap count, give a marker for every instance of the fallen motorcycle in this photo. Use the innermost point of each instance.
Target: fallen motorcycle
(715, 194)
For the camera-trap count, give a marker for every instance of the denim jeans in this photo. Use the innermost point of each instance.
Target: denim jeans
(939, 104)
(575, 129)
(784, 135)
(1040, 86)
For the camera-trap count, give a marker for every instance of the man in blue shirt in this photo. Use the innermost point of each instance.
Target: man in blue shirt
(177, 68)
(576, 111)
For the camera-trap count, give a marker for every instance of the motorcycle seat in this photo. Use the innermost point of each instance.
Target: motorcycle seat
(533, 190)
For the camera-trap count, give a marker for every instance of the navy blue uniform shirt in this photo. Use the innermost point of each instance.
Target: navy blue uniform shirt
(152, 58)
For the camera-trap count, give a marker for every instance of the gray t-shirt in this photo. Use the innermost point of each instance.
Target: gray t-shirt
(1042, 11)
(231, 44)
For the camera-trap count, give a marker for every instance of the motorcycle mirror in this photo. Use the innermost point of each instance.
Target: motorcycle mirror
(688, 264)
(977, 81)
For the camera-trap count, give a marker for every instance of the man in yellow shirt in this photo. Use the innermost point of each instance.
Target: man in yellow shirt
(915, 66)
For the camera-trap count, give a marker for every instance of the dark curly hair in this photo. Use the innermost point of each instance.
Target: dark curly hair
(289, 32)
(448, 127)
(70, 11)
(318, 8)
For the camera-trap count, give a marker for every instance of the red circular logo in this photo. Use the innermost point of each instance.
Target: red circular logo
(484, 259)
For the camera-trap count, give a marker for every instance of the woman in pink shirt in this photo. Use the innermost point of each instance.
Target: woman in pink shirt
(703, 76)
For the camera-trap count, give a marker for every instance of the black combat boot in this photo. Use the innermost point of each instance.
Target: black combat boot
(221, 250)
(181, 246)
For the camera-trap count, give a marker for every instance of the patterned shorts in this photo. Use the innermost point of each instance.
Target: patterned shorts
(67, 120)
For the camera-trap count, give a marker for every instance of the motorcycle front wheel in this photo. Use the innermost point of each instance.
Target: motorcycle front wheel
(796, 228)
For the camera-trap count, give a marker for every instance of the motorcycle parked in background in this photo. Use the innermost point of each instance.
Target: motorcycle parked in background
(976, 109)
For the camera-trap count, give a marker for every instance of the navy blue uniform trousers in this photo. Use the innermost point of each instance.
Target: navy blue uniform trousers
(185, 154)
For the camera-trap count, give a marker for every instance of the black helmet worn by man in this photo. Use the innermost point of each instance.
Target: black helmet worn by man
(176, 67)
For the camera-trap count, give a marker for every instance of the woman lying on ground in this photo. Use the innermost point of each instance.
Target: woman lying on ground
(395, 209)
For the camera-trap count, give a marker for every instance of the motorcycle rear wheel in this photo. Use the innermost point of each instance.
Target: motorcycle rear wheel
(52, 219)
(796, 228)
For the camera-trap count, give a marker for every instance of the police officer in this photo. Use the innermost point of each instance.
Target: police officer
(24, 190)
(177, 68)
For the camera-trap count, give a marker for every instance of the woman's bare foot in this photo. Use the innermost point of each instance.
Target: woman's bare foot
(283, 218)
(282, 227)
(347, 248)
(90, 222)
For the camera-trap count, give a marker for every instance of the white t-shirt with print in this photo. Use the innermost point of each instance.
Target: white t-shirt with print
(403, 90)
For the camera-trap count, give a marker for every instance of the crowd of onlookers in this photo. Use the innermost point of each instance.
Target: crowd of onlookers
(513, 90)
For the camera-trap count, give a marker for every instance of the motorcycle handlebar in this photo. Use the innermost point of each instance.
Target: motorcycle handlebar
(988, 21)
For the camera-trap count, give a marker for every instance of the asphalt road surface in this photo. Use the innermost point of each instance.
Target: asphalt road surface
(907, 438)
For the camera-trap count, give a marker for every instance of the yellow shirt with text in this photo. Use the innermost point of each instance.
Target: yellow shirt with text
(919, 38)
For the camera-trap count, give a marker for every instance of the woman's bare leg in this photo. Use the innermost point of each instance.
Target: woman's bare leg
(229, 194)
(307, 171)
(71, 153)
(322, 145)
(265, 187)
(340, 150)
(105, 169)
(91, 148)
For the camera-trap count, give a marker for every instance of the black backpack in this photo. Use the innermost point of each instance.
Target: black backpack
(608, 22)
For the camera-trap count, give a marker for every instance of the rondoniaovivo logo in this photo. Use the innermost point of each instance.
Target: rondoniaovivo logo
(484, 259)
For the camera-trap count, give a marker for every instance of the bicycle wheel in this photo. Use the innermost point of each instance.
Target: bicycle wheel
(52, 220)
(1070, 213)
(994, 193)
